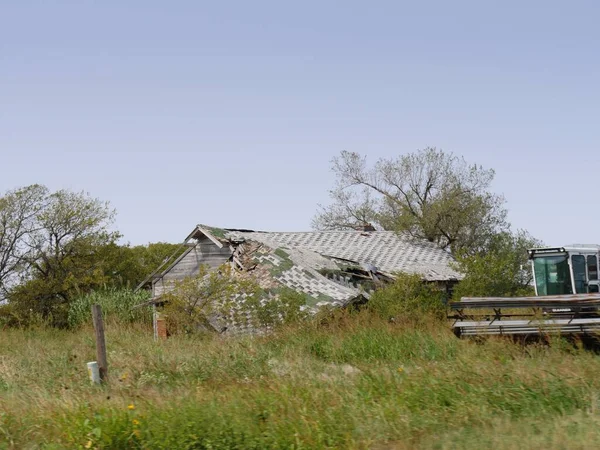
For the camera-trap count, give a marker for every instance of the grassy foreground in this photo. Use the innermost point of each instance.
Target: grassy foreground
(360, 383)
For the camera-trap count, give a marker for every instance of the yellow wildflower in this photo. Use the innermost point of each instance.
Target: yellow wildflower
(89, 444)
(131, 407)
(400, 370)
(135, 422)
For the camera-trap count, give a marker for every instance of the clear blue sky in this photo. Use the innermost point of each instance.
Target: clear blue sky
(228, 113)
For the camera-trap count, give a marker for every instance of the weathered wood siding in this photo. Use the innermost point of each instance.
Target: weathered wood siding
(204, 253)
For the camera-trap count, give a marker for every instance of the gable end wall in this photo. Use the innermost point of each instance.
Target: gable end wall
(205, 252)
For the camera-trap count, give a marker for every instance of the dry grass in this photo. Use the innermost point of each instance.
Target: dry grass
(356, 383)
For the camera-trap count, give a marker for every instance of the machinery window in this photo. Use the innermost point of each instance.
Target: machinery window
(592, 265)
(552, 276)
(579, 274)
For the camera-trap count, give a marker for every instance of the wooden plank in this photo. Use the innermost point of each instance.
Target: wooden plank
(157, 271)
(177, 261)
(523, 323)
(556, 301)
(239, 263)
(211, 237)
(508, 331)
(566, 297)
(522, 327)
(539, 304)
(100, 341)
(204, 253)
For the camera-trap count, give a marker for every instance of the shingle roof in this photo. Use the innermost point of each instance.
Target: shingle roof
(322, 265)
(386, 250)
(298, 270)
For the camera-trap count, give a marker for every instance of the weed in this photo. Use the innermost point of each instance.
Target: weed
(353, 381)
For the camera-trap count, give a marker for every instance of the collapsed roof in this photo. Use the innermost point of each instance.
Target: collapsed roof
(322, 263)
(383, 251)
(329, 267)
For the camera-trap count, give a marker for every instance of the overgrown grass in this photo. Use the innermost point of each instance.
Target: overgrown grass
(117, 304)
(356, 382)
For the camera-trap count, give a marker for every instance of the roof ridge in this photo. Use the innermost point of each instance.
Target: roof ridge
(248, 230)
(314, 231)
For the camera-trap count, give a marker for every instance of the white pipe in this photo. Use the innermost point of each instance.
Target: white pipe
(94, 372)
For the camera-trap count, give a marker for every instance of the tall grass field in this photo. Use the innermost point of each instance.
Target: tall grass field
(357, 382)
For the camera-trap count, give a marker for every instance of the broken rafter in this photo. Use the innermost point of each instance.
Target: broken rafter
(239, 264)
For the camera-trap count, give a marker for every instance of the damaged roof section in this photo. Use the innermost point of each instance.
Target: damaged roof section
(332, 268)
(315, 258)
(384, 251)
(273, 265)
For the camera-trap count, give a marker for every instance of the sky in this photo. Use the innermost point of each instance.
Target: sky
(229, 113)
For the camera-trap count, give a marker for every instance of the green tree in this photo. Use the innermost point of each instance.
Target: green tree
(127, 266)
(19, 211)
(503, 270)
(429, 194)
(61, 261)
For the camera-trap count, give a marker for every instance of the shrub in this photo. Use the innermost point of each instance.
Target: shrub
(9, 317)
(204, 301)
(409, 298)
(218, 298)
(284, 306)
(502, 270)
(12, 316)
(117, 304)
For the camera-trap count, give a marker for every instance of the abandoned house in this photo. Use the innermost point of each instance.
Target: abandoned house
(328, 267)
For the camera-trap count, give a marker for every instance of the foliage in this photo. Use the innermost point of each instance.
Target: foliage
(199, 302)
(117, 305)
(503, 270)
(292, 307)
(284, 306)
(62, 262)
(10, 317)
(428, 194)
(58, 246)
(19, 211)
(212, 299)
(127, 266)
(408, 298)
(359, 383)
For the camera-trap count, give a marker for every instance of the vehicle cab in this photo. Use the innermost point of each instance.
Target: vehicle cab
(565, 270)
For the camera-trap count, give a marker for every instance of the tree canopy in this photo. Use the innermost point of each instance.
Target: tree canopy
(429, 194)
(19, 211)
(503, 270)
(55, 246)
(60, 260)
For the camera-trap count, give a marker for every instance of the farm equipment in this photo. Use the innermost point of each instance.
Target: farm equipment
(566, 301)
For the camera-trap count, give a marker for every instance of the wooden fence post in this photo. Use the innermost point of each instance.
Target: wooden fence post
(100, 342)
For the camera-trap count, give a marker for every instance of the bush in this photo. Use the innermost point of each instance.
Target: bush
(208, 300)
(409, 298)
(216, 299)
(283, 307)
(117, 304)
(9, 317)
(502, 270)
